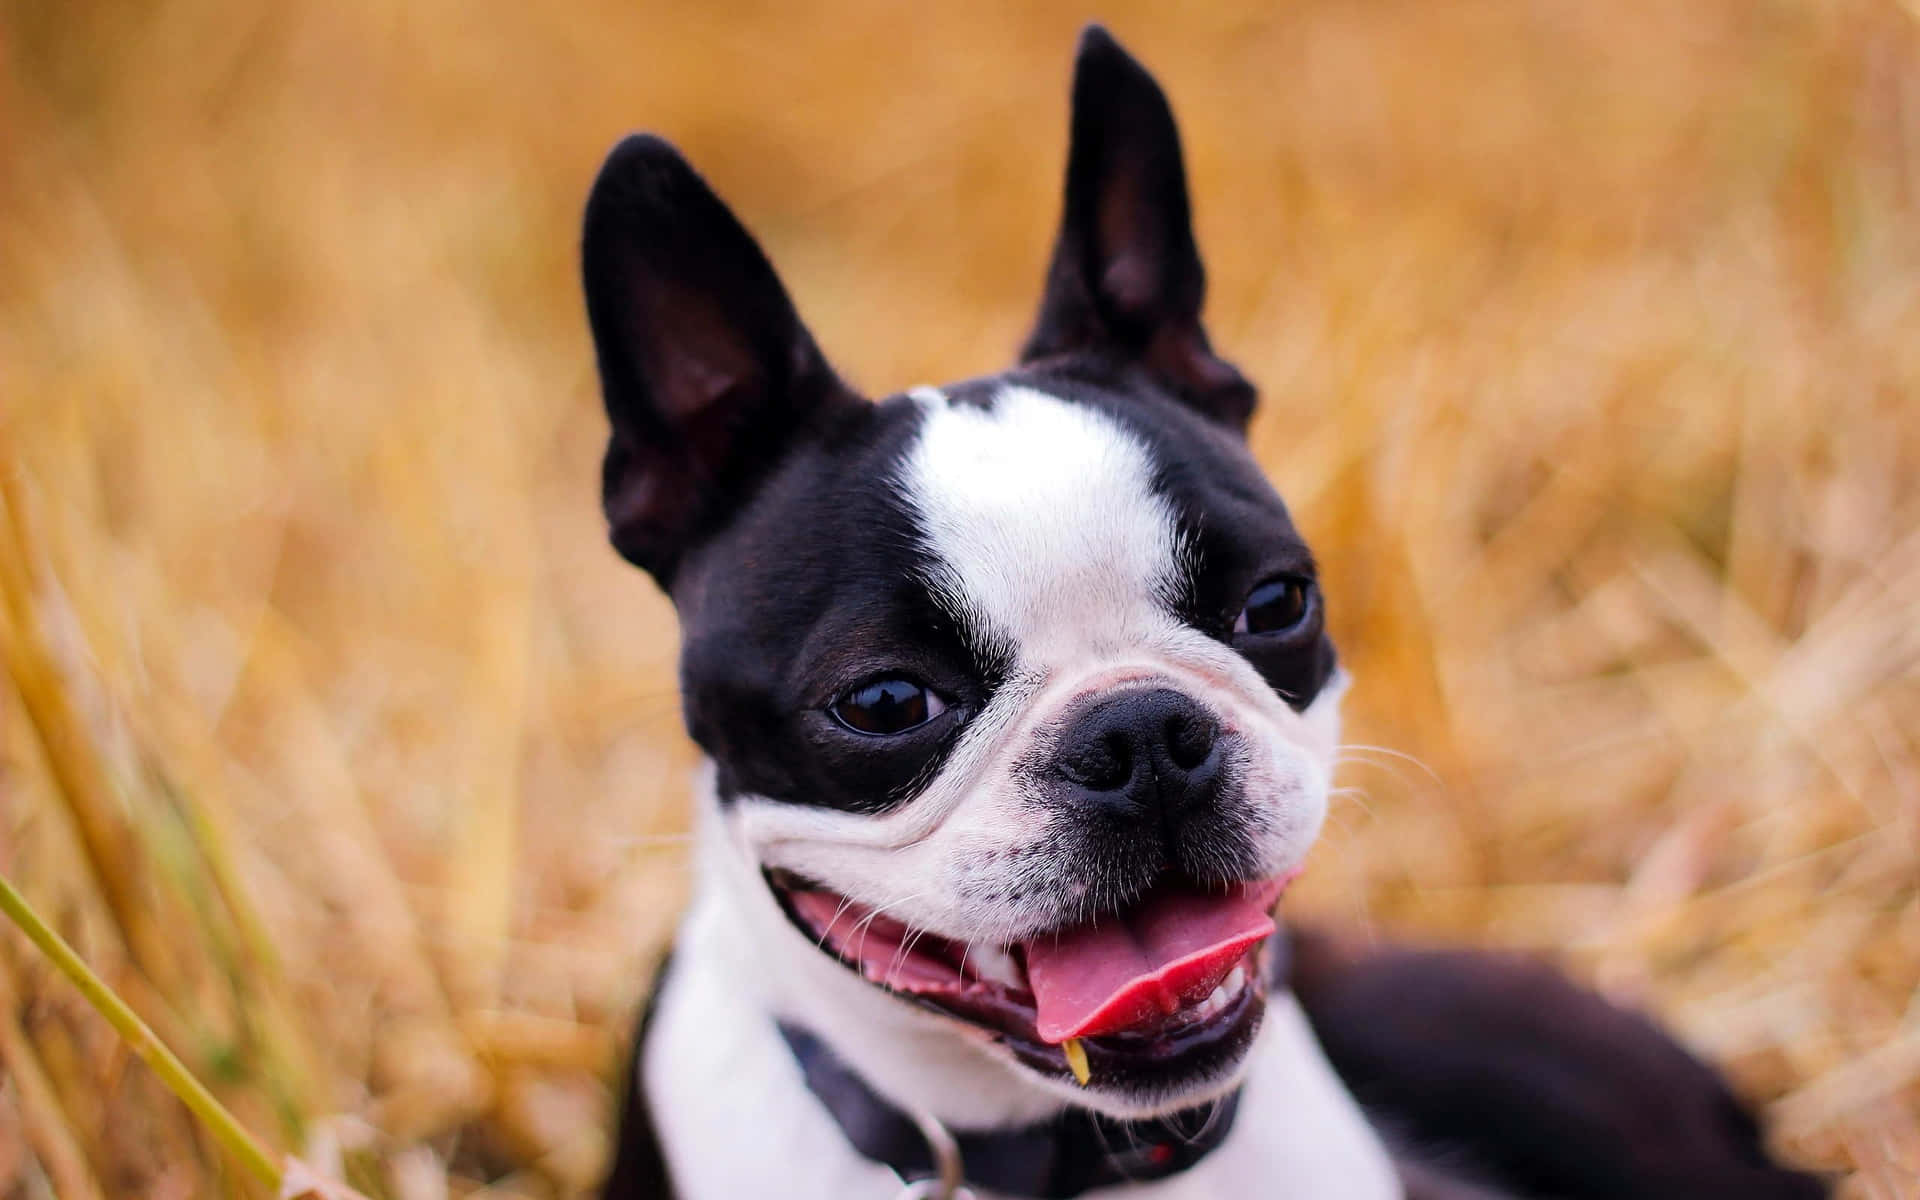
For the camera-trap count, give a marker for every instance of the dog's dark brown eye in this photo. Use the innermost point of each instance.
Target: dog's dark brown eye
(887, 706)
(1276, 606)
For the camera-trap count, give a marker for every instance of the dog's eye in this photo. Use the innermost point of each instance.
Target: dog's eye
(887, 706)
(1277, 606)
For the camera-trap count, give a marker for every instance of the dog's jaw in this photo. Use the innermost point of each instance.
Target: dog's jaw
(739, 966)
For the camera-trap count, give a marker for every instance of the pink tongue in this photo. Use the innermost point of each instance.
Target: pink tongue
(1172, 949)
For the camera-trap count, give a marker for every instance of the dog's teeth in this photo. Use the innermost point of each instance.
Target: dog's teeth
(1223, 994)
(994, 964)
(1215, 1002)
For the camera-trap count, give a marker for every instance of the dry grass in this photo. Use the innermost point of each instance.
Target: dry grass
(331, 731)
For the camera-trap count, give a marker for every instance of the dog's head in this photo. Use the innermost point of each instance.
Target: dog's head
(1017, 690)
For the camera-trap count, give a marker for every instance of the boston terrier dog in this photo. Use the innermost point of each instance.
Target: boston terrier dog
(1020, 713)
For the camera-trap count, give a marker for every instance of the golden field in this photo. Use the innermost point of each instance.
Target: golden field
(336, 737)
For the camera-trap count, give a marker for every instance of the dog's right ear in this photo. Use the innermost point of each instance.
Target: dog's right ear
(1126, 277)
(708, 375)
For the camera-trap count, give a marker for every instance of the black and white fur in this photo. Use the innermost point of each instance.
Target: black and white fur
(1027, 545)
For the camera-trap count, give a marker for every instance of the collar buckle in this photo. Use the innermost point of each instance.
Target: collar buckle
(950, 1182)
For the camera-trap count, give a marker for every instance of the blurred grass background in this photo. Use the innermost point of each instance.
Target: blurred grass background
(335, 735)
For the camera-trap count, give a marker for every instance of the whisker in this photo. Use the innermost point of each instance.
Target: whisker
(904, 949)
(1388, 752)
(1357, 795)
(845, 904)
(865, 923)
(1214, 1108)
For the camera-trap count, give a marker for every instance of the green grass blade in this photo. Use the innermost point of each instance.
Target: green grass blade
(244, 1147)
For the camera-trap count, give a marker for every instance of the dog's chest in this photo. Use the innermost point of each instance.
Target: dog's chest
(733, 1113)
(736, 1119)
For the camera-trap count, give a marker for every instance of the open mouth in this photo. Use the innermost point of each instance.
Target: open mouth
(1168, 988)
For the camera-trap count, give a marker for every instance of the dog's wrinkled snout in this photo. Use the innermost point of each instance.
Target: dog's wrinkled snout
(1141, 751)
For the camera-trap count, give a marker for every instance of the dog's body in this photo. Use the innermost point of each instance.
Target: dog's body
(1021, 712)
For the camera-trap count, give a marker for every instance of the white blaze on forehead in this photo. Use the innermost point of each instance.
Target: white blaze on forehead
(1043, 520)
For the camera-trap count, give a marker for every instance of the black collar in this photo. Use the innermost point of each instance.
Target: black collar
(1053, 1160)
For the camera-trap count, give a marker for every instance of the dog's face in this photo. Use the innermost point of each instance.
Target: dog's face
(1017, 690)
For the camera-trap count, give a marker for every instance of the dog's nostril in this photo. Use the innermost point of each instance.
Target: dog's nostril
(1104, 764)
(1189, 739)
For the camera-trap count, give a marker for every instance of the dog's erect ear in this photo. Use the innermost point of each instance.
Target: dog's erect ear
(1126, 276)
(708, 375)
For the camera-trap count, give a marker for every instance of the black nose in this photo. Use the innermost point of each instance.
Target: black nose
(1142, 750)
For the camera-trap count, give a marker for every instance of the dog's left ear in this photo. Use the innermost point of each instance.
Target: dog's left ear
(1126, 276)
(709, 377)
